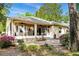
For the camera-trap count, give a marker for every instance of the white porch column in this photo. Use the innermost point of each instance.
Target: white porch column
(24, 31)
(35, 30)
(12, 27)
(18, 32)
(8, 26)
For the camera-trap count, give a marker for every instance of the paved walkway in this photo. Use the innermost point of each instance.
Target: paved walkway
(13, 51)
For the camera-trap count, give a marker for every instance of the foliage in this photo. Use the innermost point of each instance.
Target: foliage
(28, 14)
(1, 27)
(7, 38)
(23, 47)
(5, 44)
(73, 54)
(6, 41)
(65, 18)
(20, 41)
(46, 46)
(25, 14)
(32, 47)
(64, 40)
(50, 11)
(39, 50)
(4, 10)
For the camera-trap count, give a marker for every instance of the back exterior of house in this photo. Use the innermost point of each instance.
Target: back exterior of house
(32, 27)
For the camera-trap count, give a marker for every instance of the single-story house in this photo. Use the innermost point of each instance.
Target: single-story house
(33, 27)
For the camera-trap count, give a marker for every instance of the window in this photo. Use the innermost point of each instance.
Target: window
(16, 28)
(21, 31)
(39, 31)
(60, 29)
(42, 30)
(30, 31)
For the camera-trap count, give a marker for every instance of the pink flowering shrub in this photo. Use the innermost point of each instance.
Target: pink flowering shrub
(6, 38)
(6, 41)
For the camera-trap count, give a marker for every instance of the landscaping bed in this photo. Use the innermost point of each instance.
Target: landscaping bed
(27, 49)
(38, 50)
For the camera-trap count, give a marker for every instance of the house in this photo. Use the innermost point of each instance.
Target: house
(33, 27)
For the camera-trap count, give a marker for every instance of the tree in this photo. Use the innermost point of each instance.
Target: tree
(4, 9)
(25, 14)
(65, 18)
(74, 28)
(28, 14)
(50, 12)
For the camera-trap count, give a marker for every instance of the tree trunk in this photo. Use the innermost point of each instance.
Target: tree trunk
(74, 33)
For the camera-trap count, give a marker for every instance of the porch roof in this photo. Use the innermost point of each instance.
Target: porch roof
(33, 20)
(60, 24)
(40, 21)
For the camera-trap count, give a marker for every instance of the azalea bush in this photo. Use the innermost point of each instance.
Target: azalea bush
(6, 41)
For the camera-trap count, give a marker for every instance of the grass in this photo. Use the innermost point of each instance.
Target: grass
(73, 54)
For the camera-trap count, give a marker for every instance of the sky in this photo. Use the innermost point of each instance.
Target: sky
(20, 8)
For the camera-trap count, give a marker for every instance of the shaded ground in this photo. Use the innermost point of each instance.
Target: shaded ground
(13, 51)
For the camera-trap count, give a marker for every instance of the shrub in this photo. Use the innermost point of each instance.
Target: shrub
(33, 47)
(30, 49)
(6, 41)
(20, 41)
(6, 38)
(41, 50)
(49, 47)
(22, 47)
(64, 40)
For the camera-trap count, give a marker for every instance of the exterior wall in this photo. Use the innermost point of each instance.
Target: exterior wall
(63, 30)
(55, 30)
